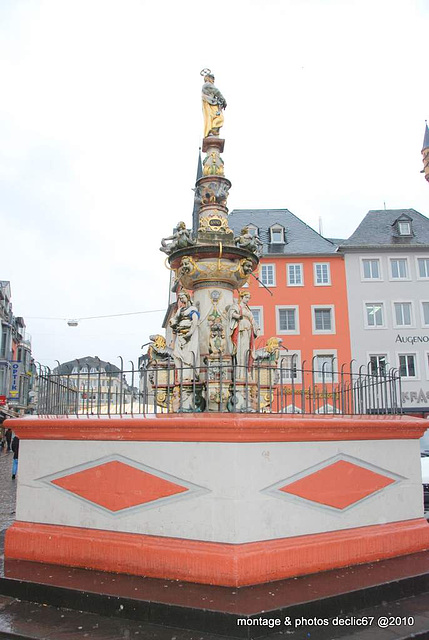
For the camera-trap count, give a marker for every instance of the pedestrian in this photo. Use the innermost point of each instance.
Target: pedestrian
(15, 449)
(8, 436)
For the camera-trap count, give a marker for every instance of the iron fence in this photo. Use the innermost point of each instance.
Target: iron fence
(220, 385)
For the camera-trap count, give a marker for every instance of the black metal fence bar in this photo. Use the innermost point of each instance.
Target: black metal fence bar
(221, 385)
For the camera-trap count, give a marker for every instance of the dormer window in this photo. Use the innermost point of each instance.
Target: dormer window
(403, 226)
(277, 234)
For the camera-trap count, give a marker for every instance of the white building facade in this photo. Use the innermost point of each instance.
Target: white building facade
(387, 270)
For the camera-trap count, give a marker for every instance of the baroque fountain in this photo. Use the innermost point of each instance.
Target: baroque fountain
(213, 365)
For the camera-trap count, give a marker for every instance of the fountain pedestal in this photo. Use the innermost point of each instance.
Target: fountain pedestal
(223, 499)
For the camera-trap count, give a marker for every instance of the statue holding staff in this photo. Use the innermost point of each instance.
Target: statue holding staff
(213, 104)
(242, 333)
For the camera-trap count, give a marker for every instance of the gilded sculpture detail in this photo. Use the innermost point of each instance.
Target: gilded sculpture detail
(210, 363)
(270, 352)
(187, 267)
(214, 222)
(213, 164)
(217, 341)
(213, 105)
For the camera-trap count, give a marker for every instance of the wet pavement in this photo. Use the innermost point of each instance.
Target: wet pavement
(7, 490)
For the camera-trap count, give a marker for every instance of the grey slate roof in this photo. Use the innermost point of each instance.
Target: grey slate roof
(87, 361)
(300, 238)
(426, 138)
(336, 241)
(376, 230)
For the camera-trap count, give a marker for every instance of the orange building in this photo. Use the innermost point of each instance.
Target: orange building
(300, 295)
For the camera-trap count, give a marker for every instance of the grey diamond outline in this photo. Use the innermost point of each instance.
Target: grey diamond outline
(194, 490)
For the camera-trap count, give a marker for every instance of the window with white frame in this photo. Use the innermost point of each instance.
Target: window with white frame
(84, 370)
(268, 275)
(423, 268)
(324, 367)
(322, 273)
(295, 276)
(277, 234)
(403, 314)
(378, 364)
(371, 269)
(407, 365)
(288, 367)
(425, 314)
(287, 320)
(258, 316)
(399, 268)
(374, 314)
(404, 228)
(2, 380)
(5, 342)
(323, 320)
(75, 370)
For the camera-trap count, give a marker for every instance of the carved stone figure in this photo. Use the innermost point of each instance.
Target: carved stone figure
(186, 350)
(213, 104)
(184, 400)
(180, 239)
(157, 350)
(187, 266)
(246, 267)
(270, 353)
(214, 192)
(217, 338)
(242, 333)
(217, 342)
(246, 241)
(213, 164)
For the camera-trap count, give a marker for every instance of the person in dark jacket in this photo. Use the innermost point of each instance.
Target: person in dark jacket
(8, 436)
(15, 449)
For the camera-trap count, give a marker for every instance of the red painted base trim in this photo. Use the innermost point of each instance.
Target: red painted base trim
(212, 562)
(220, 427)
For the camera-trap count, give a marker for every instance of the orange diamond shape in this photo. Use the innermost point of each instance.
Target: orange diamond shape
(115, 485)
(338, 485)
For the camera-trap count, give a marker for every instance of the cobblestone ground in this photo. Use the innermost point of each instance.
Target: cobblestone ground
(7, 492)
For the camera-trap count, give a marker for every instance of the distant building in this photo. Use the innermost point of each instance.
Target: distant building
(387, 268)
(95, 384)
(16, 364)
(306, 301)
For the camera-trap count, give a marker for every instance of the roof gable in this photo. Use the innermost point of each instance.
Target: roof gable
(377, 229)
(301, 239)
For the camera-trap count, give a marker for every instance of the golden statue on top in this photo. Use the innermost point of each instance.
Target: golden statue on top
(213, 105)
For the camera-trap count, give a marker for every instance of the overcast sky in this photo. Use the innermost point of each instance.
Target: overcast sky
(101, 121)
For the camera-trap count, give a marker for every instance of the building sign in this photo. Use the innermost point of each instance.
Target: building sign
(411, 339)
(2, 401)
(16, 371)
(415, 397)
